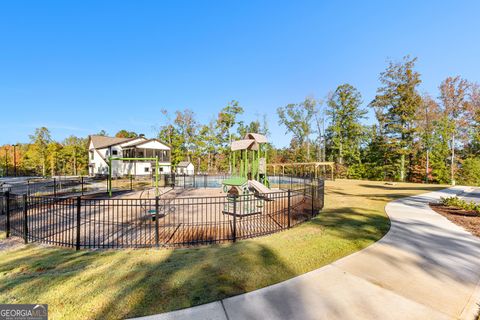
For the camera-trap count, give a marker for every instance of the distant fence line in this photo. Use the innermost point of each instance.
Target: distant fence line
(68, 186)
(83, 222)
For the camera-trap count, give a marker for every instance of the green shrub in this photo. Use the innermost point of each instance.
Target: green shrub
(460, 203)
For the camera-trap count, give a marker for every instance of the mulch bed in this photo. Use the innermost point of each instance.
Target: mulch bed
(470, 220)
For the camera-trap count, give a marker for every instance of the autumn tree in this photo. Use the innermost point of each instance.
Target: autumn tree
(126, 134)
(453, 99)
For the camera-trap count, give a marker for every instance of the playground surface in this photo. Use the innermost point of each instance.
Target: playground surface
(424, 268)
(113, 284)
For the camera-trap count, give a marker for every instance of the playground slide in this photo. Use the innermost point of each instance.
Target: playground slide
(258, 186)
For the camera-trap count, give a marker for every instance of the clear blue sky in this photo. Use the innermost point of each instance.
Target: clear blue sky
(77, 67)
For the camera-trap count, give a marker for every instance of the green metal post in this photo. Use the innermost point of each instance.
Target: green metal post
(109, 176)
(156, 176)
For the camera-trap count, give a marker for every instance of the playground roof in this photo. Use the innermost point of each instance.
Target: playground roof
(260, 138)
(246, 144)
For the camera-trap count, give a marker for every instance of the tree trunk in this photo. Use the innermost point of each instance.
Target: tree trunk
(402, 168)
(427, 166)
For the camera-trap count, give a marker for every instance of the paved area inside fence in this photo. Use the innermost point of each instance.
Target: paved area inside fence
(424, 268)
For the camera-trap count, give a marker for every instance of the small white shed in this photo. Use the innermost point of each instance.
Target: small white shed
(185, 167)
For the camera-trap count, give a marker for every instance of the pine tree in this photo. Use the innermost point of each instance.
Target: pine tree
(395, 105)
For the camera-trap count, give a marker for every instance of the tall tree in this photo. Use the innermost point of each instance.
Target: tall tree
(187, 127)
(75, 153)
(426, 118)
(40, 140)
(227, 119)
(474, 116)
(395, 106)
(297, 118)
(345, 130)
(453, 98)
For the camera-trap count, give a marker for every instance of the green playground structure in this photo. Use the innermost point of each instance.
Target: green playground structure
(110, 159)
(248, 161)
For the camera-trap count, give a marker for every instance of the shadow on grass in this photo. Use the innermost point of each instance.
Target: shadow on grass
(178, 279)
(165, 280)
(119, 284)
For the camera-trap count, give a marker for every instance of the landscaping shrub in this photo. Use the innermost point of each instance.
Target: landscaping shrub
(460, 203)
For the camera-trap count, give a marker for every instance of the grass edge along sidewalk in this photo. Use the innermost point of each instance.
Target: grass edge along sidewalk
(116, 284)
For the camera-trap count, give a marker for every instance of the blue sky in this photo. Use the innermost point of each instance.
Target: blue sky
(81, 66)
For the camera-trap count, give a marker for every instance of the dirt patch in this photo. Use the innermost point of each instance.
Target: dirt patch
(470, 220)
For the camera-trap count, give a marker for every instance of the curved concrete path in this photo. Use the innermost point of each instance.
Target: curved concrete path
(424, 268)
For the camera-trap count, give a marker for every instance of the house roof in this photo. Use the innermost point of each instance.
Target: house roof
(139, 143)
(100, 142)
(183, 164)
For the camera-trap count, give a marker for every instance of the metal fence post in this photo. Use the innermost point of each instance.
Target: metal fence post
(25, 218)
(234, 218)
(289, 210)
(313, 203)
(79, 210)
(157, 237)
(82, 185)
(131, 182)
(205, 181)
(28, 187)
(54, 187)
(7, 207)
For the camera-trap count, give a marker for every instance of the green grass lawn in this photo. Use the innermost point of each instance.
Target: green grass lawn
(117, 284)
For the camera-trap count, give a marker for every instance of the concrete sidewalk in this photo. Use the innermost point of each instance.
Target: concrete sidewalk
(424, 268)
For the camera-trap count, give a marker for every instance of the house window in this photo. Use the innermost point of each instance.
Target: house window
(91, 155)
(161, 169)
(115, 152)
(147, 169)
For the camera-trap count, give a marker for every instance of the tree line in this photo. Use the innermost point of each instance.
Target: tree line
(414, 136)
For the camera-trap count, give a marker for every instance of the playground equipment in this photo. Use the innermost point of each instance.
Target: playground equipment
(248, 162)
(163, 209)
(110, 159)
(249, 172)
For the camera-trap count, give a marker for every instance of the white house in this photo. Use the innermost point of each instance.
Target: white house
(101, 148)
(185, 167)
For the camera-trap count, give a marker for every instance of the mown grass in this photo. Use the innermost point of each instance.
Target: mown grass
(128, 283)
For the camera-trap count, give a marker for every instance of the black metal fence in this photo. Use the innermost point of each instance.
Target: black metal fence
(82, 222)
